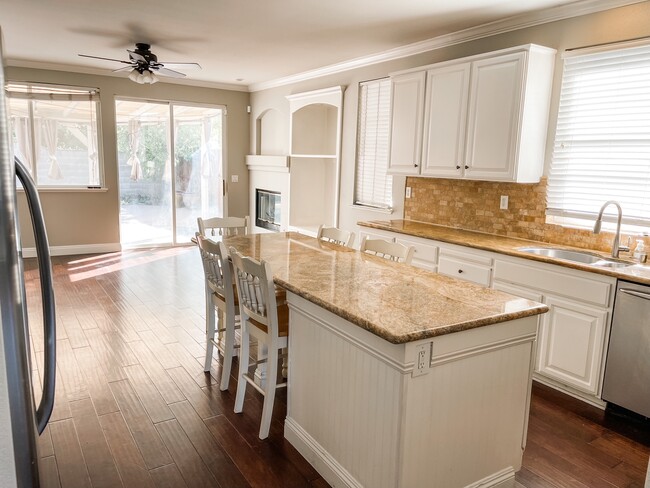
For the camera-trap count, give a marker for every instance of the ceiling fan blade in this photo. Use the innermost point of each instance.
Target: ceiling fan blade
(182, 65)
(105, 59)
(137, 57)
(169, 72)
(125, 68)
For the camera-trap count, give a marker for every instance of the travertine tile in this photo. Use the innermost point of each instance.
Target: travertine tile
(436, 201)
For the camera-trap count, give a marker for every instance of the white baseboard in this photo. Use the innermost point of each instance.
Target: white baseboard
(495, 480)
(331, 471)
(585, 397)
(30, 252)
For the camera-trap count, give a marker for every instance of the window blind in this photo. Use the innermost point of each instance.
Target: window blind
(602, 141)
(373, 185)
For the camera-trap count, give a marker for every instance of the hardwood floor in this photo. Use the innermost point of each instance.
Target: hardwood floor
(135, 409)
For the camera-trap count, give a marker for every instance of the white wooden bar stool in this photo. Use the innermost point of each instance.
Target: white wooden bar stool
(266, 318)
(389, 250)
(337, 236)
(223, 226)
(221, 296)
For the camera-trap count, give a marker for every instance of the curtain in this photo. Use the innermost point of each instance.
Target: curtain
(93, 156)
(49, 134)
(21, 126)
(134, 146)
(206, 165)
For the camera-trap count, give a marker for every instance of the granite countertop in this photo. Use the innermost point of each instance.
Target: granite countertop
(395, 301)
(506, 245)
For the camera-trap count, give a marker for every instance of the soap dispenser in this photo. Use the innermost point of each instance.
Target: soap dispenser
(639, 251)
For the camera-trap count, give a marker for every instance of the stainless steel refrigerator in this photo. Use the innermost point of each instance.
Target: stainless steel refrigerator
(21, 421)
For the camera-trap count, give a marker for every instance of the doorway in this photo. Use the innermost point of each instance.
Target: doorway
(170, 159)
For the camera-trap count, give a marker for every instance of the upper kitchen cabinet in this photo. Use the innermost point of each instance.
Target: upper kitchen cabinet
(407, 118)
(482, 118)
(315, 142)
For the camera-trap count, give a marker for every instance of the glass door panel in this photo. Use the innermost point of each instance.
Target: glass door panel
(143, 143)
(198, 151)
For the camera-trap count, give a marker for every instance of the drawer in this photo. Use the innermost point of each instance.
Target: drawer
(425, 255)
(463, 254)
(465, 271)
(557, 283)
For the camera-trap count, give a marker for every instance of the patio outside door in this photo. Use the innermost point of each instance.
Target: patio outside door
(168, 177)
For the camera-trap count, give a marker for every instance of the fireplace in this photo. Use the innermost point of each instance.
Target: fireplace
(268, 209)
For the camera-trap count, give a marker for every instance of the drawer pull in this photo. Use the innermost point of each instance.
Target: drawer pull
(460, 271)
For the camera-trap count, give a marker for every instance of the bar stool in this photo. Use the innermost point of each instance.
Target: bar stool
(223, 226)
(265, 316)
(221, 296)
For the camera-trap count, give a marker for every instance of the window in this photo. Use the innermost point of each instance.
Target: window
(602, 143)
(55, 133)
(373, 185)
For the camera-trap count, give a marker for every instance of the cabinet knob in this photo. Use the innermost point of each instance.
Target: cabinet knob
(466, 167)
(458, 167)
(460, 271)
(415, 164)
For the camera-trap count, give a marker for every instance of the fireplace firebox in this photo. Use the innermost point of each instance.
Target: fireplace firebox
(268, 209)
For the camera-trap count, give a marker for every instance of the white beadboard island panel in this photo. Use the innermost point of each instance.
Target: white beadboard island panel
(359, 416)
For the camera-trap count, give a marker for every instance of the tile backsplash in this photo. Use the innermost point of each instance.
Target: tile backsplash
(474, 205)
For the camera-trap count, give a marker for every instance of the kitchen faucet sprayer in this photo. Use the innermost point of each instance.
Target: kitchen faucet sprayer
(616, 245)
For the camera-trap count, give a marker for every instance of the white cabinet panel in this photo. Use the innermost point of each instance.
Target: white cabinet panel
(407, 115)
(571, 343)
(464, 270)
(445, 120)
(494, 108)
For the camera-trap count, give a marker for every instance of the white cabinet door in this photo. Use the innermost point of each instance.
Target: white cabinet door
(425, 255)
(494, 108)
(407, 116)
(445, 120)
(571, 342)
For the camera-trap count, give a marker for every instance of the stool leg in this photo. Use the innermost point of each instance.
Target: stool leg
(269, 391)
(228, 349)
(209, 330)
(243, 365)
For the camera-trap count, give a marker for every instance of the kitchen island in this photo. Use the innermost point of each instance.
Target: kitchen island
(399, 377)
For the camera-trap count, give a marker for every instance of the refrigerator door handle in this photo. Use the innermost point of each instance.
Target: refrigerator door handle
(44, 410)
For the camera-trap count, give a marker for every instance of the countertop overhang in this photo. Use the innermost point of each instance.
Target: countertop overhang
(506, 245)
(395, 301)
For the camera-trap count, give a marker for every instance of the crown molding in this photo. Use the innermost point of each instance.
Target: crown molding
(20, 63)
(501, 26)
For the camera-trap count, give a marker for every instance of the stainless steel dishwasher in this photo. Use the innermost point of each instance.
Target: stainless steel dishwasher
(627, 371)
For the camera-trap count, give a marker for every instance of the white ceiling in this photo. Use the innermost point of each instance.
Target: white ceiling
(237, 42)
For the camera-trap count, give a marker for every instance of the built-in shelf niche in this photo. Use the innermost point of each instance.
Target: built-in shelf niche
(315, 144)
(268, 138)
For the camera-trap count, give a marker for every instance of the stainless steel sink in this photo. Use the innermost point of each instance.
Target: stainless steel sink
(583, 257)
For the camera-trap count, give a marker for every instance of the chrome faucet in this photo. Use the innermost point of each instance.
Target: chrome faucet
(616, 245)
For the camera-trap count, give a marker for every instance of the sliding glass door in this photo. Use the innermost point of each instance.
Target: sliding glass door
(168, 177)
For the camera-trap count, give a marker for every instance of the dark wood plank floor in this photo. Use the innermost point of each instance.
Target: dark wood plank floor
(135, 409)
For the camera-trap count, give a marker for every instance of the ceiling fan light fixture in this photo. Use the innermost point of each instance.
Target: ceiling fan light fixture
(143, 77)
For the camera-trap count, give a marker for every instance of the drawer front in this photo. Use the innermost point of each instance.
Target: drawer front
(465, 271)
(575, 287)
(464, 255)
(425, 255)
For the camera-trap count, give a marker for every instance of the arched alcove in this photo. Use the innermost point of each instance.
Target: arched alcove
(268, 130)
(314, 130)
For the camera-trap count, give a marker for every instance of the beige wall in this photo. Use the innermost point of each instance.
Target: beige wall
(92, 217)
(610, 26)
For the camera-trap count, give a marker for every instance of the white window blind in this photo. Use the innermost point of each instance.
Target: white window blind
(373, 186)
(602, 143)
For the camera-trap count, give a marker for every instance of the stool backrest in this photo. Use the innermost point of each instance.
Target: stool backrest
(337, 236)
(256, 291)
(223, 226)
(386, 249)
(216, 265)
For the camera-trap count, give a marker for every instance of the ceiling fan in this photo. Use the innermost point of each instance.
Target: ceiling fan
(144, 65)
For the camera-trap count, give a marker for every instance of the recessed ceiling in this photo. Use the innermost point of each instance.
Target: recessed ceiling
(237, 42)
